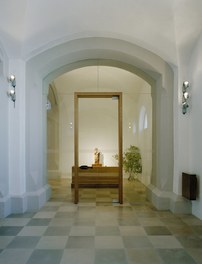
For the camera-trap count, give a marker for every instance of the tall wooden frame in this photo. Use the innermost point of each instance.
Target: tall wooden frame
(78, 95)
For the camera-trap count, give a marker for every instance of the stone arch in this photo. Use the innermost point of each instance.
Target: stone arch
(43, 68)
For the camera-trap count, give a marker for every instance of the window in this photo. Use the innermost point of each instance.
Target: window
(143, 120)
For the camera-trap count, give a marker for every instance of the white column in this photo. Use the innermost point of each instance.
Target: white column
(17, 138)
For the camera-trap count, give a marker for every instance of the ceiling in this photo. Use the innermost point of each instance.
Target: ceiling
(163, 27)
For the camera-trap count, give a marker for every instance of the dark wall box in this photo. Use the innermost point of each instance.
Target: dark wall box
(189, 186)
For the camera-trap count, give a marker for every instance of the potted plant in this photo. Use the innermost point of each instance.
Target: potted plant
(132, 162)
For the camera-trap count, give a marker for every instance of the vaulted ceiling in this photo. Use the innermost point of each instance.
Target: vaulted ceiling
(163, 27)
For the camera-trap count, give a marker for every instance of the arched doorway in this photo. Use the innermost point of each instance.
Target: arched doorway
(45, 67)
(136, 95)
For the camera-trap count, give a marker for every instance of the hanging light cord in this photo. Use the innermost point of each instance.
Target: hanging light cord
(98, 78)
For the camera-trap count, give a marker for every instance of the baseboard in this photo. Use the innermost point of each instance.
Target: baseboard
(163, 200)
(35, 200)
(28, 202)
(5, 205)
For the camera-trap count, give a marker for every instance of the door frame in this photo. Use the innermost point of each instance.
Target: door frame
(77, 96)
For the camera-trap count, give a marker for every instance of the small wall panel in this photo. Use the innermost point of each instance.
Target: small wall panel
(189, 186)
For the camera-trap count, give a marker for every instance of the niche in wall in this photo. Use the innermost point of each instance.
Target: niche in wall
(136, 94)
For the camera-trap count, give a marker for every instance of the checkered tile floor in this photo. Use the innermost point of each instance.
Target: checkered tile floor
(100, 231)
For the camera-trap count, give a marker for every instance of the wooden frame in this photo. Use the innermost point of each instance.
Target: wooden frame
(78, 95)
(97, 177)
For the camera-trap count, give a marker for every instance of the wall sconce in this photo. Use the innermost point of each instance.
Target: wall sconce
(185, 96)
(48, 105)
(11, 92)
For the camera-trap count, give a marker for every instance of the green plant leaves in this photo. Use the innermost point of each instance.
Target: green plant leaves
(132, 161)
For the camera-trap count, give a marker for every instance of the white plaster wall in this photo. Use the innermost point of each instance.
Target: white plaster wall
(35, 143)
(53, 135)
(98, 128)
(144, 131)
(187, 146)
(188, 21)
(66, 133)
(12, 139)
(4, 117)
(17, 131)
(194, 119)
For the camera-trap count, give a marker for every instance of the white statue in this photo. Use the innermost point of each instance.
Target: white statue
(96, 156)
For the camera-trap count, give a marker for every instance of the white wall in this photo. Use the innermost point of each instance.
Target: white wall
(12, 139)
(53, 134)
(98, 128)
(144, 109)
(4, 117)
(195, 127)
